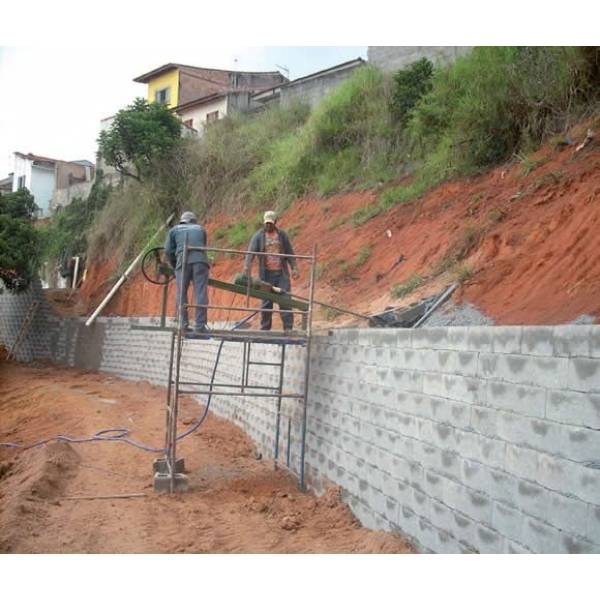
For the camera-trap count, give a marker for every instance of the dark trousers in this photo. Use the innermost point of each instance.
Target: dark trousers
(266, 319)
(196, 273)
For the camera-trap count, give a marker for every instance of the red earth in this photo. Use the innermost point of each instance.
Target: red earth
(527, 236)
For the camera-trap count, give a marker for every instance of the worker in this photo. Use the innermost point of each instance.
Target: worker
(196, 269)
(272, 269)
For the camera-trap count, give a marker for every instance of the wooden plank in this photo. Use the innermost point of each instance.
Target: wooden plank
(284, 301)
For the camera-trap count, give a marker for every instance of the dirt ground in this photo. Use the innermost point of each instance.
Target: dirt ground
(236, 503)
(528, 232)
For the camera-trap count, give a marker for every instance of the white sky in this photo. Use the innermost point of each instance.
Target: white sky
(57, 96)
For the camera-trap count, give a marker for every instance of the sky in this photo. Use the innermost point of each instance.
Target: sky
(52, 99)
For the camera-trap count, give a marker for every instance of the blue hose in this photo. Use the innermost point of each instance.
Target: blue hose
(120, 434)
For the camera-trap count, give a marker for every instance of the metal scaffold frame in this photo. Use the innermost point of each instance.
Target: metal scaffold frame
(170, 470)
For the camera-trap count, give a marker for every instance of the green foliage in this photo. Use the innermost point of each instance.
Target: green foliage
(410, 85)
(462, 272)
(66, 235)
(408, 286)
(361, 215)
(529, 165)
(495, 101)
(140, 134)
(20, 245)
(363, 256)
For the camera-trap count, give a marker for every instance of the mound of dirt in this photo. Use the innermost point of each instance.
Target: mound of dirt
(29, 481)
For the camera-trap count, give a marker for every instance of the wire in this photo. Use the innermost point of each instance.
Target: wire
(120, 434)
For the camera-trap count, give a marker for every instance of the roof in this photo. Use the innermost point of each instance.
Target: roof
(204, 100)
(356, 62)
(83, 163)
(169, 66)
(6, 181)
(37, 157)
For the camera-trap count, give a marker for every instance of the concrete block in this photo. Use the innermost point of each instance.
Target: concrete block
(522, 399)
(522, 462)
(584, 374)
(572, 340)
(593, 523)
(507, 520)
(454, 387)
(565, 476)
(595, 341)
(488, 451)
(511, 547)
(540, 537)
(473, 504)
(406, 381)
(434, 338)
(578, 444)
(507, 340)
(538, 341)
(548, 372)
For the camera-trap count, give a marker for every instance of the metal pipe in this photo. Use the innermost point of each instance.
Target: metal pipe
(289, 437)
(278, 417)
(434, 306)
(214, 393)
(75, 272)
(125, 275)
(230, 251)
(245, 309)
(311, 298)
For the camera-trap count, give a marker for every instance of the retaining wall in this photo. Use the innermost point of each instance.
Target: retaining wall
(394, 58)
(466, 439)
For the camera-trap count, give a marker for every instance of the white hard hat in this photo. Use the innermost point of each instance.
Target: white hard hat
(270, 217)
(187, 217)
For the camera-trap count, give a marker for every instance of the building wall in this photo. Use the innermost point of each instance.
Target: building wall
(169, 79)
(197, 83)
(465, 439)
(198, 113)
(22, 167)
(394, 58)
(64, 197)
(42, 187)
(312, 91)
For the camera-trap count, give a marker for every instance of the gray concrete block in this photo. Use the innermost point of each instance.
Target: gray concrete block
(454, 387)
(522, 462)
(595, 341)
(538, 341)
(522, 399)
(433, 338)
(507, 340)
(529, 370)
(473, 504)
(584, 374)
(507, 520)
(572, 340)
(565, 476)
(540, 537)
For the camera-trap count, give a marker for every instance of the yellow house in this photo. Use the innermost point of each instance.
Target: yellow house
(164, 88)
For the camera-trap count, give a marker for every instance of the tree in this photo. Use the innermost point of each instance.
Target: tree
(140, 134)
(410, 85)
(19, 240)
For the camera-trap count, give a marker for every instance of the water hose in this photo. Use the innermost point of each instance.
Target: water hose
(120, 434)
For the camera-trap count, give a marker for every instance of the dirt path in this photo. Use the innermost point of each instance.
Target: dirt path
(236, 503)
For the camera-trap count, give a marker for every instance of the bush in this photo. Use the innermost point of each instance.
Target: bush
(497, 100)
(20, 242)
(410, 85)
(408, 286)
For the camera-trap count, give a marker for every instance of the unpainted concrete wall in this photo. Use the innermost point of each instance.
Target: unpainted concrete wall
(464, 439)
(394, 58)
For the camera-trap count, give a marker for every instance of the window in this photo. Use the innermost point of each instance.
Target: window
(189, 123)
(162, 96)
(21, 182)
(211, 117)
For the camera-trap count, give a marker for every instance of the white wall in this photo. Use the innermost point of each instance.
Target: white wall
(42, 188)
(38, 180)
(22, 167)
(198, 113)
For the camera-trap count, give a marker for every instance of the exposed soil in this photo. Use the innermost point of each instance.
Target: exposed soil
(236, 503)
(528, 237)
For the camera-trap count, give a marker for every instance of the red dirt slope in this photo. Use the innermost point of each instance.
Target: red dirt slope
(528, 237)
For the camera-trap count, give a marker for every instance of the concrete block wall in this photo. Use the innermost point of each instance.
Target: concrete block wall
(394, 58)
(474, 439)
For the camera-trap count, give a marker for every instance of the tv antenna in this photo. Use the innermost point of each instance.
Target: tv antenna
(284, 68)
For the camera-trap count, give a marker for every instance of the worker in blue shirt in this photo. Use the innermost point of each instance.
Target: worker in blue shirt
(196, 269)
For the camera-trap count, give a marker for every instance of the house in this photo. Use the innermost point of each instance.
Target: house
(310, 89)
(6, 185)
(394, 58)
(200, 95)
(52, 182)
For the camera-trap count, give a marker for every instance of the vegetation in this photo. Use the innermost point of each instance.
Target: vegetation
(433, 124)
(65, 236)
(363, 256)
(408, 286)
(140, 135)
(19, 241)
